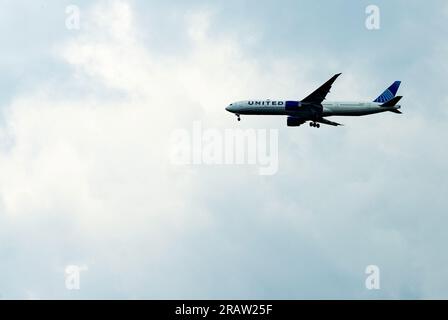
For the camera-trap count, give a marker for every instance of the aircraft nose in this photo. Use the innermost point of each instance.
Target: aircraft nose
(229, 108)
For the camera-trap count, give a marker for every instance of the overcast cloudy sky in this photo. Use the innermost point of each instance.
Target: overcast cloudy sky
(86, 117)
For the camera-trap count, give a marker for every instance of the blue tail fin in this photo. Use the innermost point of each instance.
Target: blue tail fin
(389, 93)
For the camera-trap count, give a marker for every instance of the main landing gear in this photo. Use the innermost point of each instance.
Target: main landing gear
(238, 117)
(314, 124)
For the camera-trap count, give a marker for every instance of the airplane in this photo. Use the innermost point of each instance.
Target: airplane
(314, 109)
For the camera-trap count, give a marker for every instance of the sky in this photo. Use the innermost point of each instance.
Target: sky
(87, 116)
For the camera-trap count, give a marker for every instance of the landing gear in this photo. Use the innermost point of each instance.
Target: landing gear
(238, 117)
(314, 124)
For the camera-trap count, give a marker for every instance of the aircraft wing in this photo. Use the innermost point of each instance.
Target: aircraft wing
(331, 123)
(319, 94)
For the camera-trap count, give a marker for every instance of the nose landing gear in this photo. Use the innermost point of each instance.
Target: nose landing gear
(314, 124)
(238, 117)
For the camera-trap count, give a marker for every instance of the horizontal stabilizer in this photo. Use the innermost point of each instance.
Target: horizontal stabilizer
(392, 102)
(396, 111)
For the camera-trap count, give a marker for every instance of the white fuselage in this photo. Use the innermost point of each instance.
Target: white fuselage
(279, 107)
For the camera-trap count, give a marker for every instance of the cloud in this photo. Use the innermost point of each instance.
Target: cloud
(95, 166)
(85, 177)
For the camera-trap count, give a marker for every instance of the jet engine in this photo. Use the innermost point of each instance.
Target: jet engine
(294, 121)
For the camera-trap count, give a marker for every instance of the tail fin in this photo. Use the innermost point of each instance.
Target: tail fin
(389, 93)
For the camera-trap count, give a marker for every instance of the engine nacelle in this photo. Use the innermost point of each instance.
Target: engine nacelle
(294, 122)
